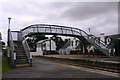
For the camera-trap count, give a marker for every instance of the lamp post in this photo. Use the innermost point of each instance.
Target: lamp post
(9, 22)
(8, 30)
(8, 53)
(89, 31)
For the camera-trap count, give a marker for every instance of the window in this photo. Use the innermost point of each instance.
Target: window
(75, 43)
(72, 43)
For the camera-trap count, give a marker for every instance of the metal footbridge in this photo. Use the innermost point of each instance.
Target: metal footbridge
(17, 37)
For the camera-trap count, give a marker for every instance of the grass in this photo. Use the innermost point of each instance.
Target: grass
(0, 64)
(5, 65)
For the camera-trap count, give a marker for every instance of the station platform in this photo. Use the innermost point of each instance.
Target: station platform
(86, 57)
(111, 64)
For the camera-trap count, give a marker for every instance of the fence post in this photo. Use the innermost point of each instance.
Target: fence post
(14, 60)
(109, 52)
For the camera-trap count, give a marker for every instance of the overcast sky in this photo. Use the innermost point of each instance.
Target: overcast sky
(101, 17)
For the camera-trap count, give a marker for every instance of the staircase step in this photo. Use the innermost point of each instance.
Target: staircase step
(21, 55)
(25, 59)
(21, 62)
(22, 59)
(22, 65)
(21, 52)
(19, 49)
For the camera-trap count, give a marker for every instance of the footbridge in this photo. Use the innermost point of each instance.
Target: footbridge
(15, 38)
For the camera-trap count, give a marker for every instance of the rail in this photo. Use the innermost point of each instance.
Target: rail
(27, 50)
(66, 45)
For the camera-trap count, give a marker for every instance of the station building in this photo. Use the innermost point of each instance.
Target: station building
(113, 42)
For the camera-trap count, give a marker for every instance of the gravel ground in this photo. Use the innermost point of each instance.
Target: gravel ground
(46, 69)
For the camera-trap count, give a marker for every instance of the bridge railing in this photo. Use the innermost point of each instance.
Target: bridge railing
(27, 51)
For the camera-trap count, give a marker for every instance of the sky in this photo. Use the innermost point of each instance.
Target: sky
(100, 17)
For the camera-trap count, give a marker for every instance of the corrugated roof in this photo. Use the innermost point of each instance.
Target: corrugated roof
(41, 41)
(114, 36)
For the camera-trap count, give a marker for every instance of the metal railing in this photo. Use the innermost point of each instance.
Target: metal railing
(66, 45)
(27, 50)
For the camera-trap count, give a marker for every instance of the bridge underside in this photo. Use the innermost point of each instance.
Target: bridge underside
(70, 35)
(85, 43)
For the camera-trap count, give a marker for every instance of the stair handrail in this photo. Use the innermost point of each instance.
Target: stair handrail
(77, 45)
(95, 38)
(66, 45)
(27, 49)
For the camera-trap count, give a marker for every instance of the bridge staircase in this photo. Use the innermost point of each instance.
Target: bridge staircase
(18, 50)
(66, 45)
(78, 46)
(21, 57)
(100, 45)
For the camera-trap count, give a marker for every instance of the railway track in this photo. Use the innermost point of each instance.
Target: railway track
(110, 67)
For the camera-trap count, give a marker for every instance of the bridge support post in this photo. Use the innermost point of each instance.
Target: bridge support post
(109, 53)
(50, 45)
(30, 60)
(114, 52)
(85, 49)
(14, 60)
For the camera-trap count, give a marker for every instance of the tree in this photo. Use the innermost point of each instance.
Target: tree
(59, 42)
(32, 40)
